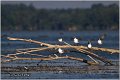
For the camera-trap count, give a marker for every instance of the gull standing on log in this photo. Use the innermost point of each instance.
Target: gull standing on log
(60, 40)
(89, 45)
(99, 41)
(76, 40)
(60, 51)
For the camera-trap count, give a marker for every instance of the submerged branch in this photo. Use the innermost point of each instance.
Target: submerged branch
(53, 58)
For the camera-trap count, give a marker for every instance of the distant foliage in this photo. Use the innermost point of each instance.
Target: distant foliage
(23, 17)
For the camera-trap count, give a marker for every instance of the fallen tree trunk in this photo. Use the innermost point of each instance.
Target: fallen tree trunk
(82, 49)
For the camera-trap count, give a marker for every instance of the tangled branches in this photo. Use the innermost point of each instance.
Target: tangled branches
(82, 49)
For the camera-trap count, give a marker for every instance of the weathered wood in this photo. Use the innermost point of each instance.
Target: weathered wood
(82, 49)
(29, 40)
(53, 58)
(95, 56)
(67, 46)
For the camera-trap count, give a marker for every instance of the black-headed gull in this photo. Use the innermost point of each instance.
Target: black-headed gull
(60, 40)
(89, 45)
(76, 40)
(99, 41)
(60, 51)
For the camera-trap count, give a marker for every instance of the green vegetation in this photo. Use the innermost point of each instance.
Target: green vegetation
(23, 17)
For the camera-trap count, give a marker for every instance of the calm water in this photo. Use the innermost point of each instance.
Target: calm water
(111, 41)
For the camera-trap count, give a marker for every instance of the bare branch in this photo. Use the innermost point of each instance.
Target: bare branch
(29, 40)
(83, 49)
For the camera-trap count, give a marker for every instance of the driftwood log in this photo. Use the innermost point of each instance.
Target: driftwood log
(82, 49)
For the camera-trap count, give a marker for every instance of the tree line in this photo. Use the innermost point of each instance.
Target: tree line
(27, 17)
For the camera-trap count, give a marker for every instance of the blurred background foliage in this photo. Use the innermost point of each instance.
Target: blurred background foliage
(19, 17)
